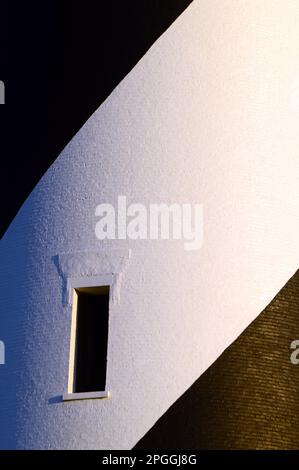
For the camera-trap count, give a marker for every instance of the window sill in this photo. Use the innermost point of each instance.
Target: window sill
(85, 395)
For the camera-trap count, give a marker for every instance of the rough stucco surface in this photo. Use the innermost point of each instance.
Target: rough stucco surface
(209, 115)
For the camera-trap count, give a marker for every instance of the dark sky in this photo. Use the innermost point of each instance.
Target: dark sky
(59, 61)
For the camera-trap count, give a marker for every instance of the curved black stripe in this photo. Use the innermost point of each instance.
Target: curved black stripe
(64, 59)
(249, 398)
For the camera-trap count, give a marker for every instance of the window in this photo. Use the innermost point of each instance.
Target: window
(89, 340)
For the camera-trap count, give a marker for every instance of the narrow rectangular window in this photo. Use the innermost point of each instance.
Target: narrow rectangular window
(91, 339)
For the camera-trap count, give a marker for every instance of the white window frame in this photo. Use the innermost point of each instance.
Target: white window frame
(77, 283)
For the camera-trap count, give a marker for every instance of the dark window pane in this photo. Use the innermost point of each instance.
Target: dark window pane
(91, 339)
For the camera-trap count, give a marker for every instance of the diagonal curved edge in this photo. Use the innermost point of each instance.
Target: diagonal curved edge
(67, 58)
(248, 399)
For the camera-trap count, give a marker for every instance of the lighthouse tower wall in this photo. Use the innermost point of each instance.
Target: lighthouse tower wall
(208, 116)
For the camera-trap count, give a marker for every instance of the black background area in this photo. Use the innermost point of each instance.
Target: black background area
(59, 61)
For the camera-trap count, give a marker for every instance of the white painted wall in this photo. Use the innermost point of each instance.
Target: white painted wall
(209, 115)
